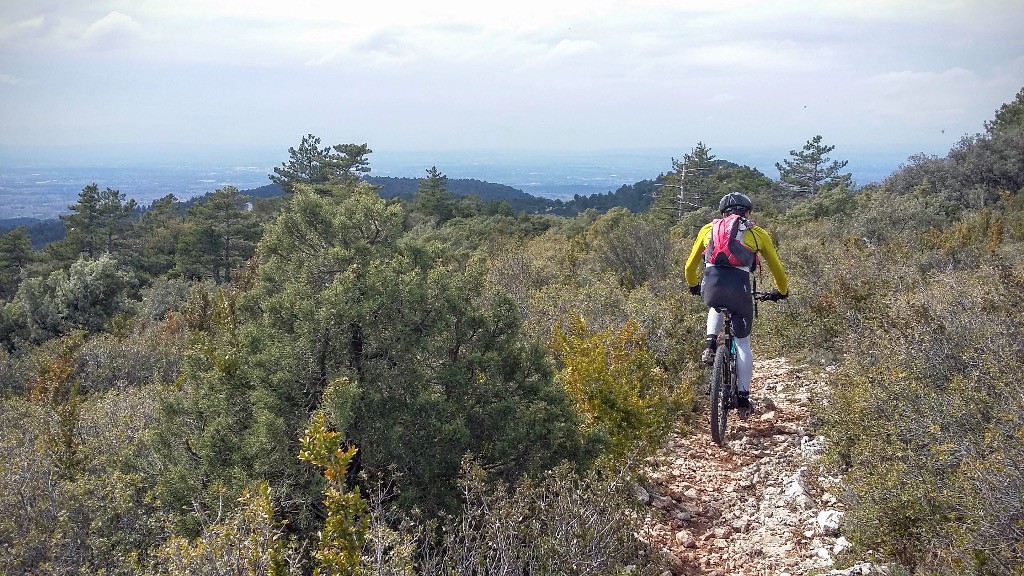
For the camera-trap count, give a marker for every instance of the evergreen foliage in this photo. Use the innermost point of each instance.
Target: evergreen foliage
(157, 236)
(692, 189)
(220, 236)
(617, 387)
(85, 297)
(16, 254)
(633, 197)
(1009, 117)
(469, 382)
(809, 171)
(433, 199)
(437, 367)
(315, 166)
(99, 222)
(45, 232)
(689, 184)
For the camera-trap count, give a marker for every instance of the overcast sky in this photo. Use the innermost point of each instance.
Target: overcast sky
(568, 75)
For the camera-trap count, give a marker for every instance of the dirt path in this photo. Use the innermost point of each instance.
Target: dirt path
(756, 506)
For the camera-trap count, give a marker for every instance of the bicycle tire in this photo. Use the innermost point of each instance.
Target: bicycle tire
(718, 379)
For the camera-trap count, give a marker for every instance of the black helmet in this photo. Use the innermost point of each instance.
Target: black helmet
(734, 200)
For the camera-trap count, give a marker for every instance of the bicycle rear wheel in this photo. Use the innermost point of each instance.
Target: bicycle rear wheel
(718, 380)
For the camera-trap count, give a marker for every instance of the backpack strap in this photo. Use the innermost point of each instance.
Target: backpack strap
(754, 280)
(757, 250)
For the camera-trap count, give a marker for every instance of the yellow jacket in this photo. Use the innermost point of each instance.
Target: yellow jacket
(755, 238)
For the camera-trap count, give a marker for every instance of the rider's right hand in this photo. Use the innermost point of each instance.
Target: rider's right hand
(776, 295)
(695, 290)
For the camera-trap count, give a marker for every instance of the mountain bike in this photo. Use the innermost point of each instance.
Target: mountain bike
(722, 383)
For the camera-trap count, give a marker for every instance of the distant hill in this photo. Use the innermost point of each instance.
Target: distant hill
(268, 191)
(635, 197)
(42, 232)
(8, 224)
(393, 187)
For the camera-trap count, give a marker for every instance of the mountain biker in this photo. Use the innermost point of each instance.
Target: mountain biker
(728, 285)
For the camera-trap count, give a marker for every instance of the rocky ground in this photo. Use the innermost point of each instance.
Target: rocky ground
(758, 506)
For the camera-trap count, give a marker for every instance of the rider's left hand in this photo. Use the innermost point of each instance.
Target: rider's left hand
(695, 290)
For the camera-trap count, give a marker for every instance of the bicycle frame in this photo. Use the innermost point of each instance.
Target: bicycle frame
(722, 384)
(722, 379)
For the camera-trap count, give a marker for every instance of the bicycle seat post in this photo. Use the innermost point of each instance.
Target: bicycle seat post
(726, 322)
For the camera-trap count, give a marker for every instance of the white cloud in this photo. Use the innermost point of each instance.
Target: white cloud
(567, 48)
(114, 30)
(937, 106)
(386, 47)
(920, 96)
(567, 56)
(10, 80)
(23, 28)
(763, 57)
(597, 69)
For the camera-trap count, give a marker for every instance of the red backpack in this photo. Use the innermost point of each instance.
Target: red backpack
(726, 247)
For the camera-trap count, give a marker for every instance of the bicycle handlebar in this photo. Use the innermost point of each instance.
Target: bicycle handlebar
(766, 296)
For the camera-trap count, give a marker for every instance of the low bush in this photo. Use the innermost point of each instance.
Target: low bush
(617, 387)
(921, 421)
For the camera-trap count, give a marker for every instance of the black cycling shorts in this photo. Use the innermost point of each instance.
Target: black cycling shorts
(728, 287)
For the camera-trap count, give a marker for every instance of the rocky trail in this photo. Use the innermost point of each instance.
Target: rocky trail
(757, 506)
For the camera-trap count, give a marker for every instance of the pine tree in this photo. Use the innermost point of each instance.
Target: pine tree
(310, 164)
(689, 185)
(100, 222)
(433, 199)
(809, 171)
(156, 236)
(341, 294)
(16, 253)
(221, 236)
(348, 162)
(700, 166)
(305, 165)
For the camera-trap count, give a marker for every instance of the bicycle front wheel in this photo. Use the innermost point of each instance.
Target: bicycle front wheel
(718, 380)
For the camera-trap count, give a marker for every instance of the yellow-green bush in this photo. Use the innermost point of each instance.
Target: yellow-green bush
(249, 541)
(344, 530)
(75, 486)
(617, 386)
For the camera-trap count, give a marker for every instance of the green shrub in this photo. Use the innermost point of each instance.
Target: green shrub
(85, 297)
(75, 490)
(249, 541)
(617, 386)
(921, 418)
(344, 532)
(164, 295)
